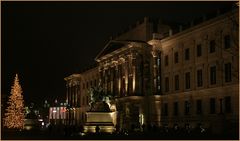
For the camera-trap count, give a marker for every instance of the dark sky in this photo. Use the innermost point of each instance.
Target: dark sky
(46, 41)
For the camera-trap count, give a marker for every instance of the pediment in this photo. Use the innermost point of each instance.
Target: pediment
(110, 47)
(114, 45)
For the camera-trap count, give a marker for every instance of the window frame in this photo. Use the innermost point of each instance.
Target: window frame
(176, 57)
(199, 78)
(199, 50)
(213, 75)
(187, 54)
(212, 46)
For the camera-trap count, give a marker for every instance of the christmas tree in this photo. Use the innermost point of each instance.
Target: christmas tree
(14, 116)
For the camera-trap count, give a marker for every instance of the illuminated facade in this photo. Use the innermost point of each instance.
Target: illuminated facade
(126, 73)
(77, 95)
(57, 115)
(161, 77)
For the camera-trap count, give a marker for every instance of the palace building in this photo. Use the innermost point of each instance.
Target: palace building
(165, 76)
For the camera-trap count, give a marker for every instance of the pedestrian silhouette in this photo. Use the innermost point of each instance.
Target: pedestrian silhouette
(97, 129)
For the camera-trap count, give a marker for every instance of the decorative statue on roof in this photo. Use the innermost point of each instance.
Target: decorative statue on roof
(99, 100)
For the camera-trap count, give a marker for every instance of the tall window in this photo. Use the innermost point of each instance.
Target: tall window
(199, 78)
(175, 108)
(199, 50)
(227, 43)
(165, 110)
(187, 80)
(166, 60)
(212, 46)
(212, 106)
(166, 84)
(187, 108)
(199, 107)
(228, 104)
(228, 76)
(187, 57)
(176, 57)
(213, 75)
(176, 82)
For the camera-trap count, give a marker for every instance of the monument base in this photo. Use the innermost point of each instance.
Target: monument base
(104, 120)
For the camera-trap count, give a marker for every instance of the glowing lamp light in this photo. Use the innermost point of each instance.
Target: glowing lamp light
(54, 111)
(28, 127)
(141, 119)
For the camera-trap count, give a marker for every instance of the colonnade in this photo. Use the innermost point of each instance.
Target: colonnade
(122, 76)
(73, 94)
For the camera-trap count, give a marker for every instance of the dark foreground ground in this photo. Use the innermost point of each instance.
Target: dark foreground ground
(153, 135)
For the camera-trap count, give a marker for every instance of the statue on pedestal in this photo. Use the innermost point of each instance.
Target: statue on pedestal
(99, 117)
(99, 100)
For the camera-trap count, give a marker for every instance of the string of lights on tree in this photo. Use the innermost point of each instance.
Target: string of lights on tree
(14, 116)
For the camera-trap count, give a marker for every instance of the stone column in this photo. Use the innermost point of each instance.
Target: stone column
(72, 89)
(70, 94)
(126, 77)
(115, 80)
(76, 93)
(159, 77)
(155, 70)
(130, 92)
(73, 95)
(101, 75)
(109, 79)
(139, 74)
(133, 73)
(112, 79)
(69, 102)
(67, 93)
(119, 79)
(105, 79)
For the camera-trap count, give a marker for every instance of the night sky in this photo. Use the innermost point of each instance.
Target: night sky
(46, 41)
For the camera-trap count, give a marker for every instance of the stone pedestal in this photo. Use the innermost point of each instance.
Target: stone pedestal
(104, 120)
